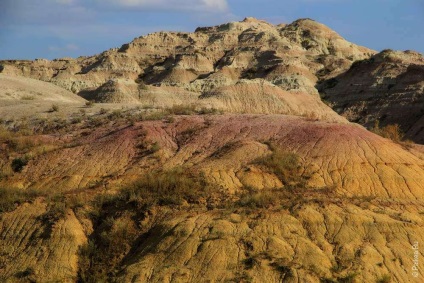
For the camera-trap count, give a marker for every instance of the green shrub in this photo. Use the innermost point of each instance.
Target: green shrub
(18, 164)
(170, 187)
(155, 147)
(157, 115)
(260, 199)
(182, 109)
(115, 115)
(27, 97)
(103, 111)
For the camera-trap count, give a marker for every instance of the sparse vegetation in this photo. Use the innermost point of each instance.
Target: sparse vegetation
(54, 108)
(114, 217)
(392, 132)
(103, 111)
(172, 187)
(155, 147)
(286, 165)
(28, 97)
(19, 163)
(349, 278)
(259, 199)
(89, 104)
(384, 279)
(11, 198)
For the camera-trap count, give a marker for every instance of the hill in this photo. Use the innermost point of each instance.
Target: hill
(211, 157)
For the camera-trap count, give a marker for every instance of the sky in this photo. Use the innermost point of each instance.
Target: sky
(51, 29)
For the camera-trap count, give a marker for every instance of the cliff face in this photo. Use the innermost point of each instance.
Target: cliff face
(387, 87)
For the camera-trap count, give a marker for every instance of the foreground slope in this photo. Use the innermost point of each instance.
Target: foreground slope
(355, 214)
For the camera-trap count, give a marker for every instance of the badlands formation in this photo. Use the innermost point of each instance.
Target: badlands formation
(213, 156)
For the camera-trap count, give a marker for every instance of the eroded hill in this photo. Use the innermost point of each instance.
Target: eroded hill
(231, 198)
(169, 67)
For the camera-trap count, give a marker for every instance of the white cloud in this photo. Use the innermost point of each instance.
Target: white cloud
(188, 5)
(67, 47)
(66, 2)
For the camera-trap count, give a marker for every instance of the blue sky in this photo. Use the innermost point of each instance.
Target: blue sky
(50, 29)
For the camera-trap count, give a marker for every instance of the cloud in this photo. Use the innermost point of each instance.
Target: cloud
(44, 12)
(210, 6)
(65, 2)
(67, 47)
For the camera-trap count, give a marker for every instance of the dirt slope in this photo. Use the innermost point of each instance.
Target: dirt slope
(21, 96)
(32, 249)
(313, 243)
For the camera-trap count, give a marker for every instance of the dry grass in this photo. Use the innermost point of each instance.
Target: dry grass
(11, 198)
(285, 165)
(392, 132)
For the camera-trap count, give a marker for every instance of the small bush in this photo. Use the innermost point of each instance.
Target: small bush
(171, 187)
(115, 115)
(392, 132)
(54, 108)
(18, 164)
(25, 273)
(182, 109)
(261, 199)
(385, 279)
(103, 111)
(27, 97)
(155, 147)
(284, 164)
(157, 115)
